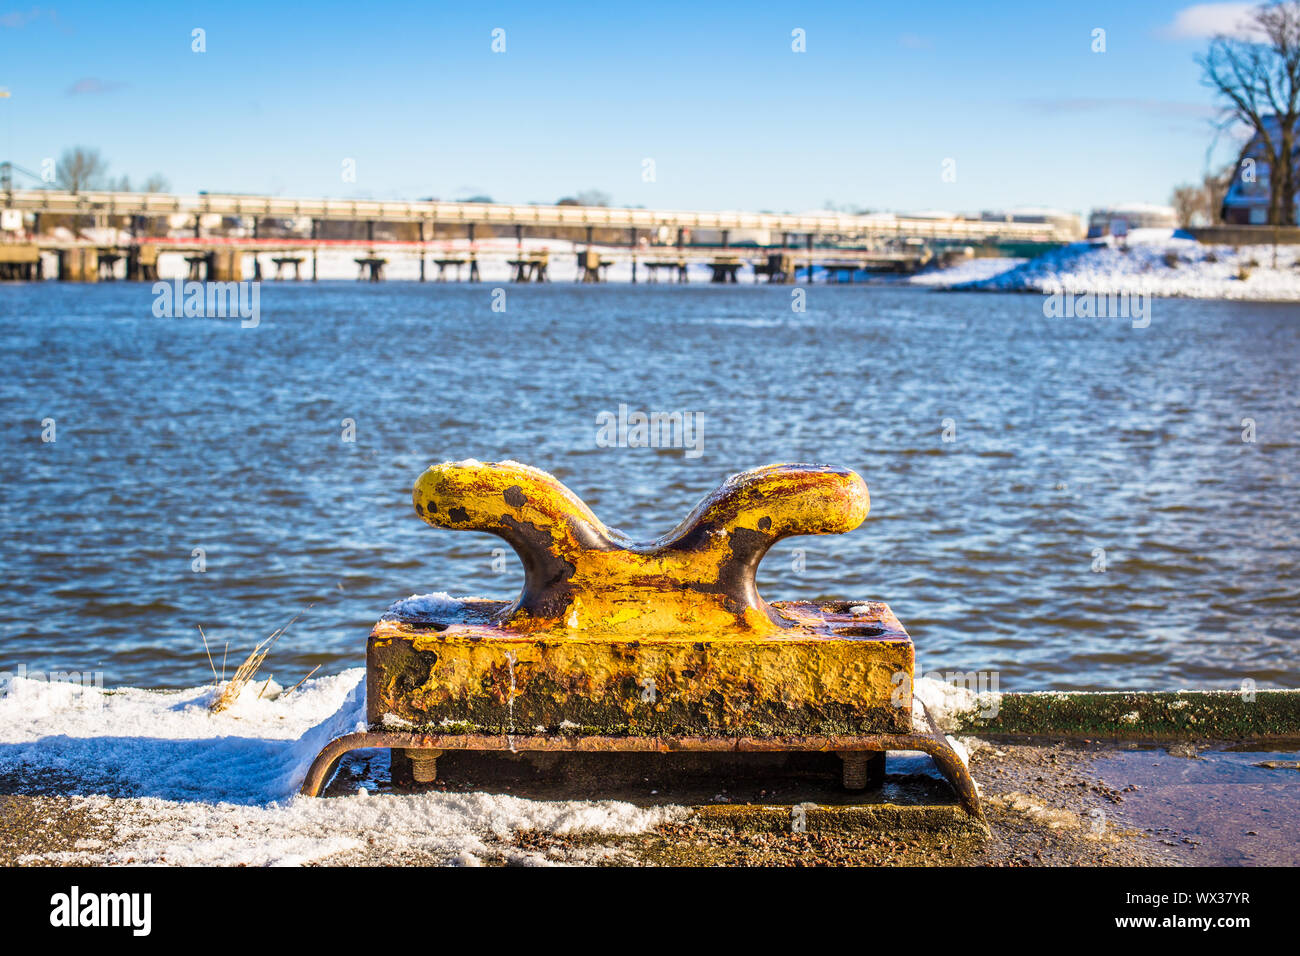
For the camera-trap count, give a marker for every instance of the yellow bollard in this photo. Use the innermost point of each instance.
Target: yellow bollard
(651, 647)
(614, 637)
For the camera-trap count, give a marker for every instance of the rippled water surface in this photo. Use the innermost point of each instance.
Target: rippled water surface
(1070, 436)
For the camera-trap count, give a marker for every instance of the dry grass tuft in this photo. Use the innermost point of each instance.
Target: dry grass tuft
(301, 682)
(247, 670)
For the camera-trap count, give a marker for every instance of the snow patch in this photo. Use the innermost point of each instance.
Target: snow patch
(965, 271)
(178, 784)
(422, 605)
(1158, 262)
(457, 829)
(951, 705)
(167, 744)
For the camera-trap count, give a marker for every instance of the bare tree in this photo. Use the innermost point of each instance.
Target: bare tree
(1256, 75)
(157, 183)
(80, 168)
(1202, 203)
(1188, 201)
(1216, 186)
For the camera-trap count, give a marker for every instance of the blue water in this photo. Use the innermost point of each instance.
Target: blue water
(1070, 436)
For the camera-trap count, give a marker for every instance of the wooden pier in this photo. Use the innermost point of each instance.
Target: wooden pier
(218, 259)
(217, 238)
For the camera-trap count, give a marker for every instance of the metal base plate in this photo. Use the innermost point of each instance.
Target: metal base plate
(933, 743)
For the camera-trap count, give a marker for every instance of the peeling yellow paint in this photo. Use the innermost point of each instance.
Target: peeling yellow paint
(586, 577)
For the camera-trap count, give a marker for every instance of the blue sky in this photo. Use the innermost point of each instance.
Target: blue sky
(713, 93)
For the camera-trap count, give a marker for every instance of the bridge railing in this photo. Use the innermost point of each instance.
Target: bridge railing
(504, 214)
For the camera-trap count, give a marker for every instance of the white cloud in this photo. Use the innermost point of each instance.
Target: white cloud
(1205, 20)
(17, 20)
(91, 84)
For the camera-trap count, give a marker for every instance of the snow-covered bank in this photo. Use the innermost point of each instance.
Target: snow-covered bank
(166, 744)
(458, 829)
(1152, 262)
(181, 785)
(964, 271)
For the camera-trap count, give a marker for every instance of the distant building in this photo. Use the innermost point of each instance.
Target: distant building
(1121, 220)
(1247, 200)
(1067, 222)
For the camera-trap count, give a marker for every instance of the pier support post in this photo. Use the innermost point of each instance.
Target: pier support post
(141, 262)
(199, 266)
(523, 267)
(226, 265)
(421, 250)
(79, 265)
(20, 261)
(107, 266)
(148, 262)
(370, 267)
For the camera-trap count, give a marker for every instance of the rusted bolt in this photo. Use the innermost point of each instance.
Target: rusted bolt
(855, 769)
(424, 765)
(863, 769)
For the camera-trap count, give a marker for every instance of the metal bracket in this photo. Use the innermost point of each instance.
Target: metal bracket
(934, 744)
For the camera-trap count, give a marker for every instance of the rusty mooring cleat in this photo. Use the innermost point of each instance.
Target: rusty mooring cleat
(615, 645)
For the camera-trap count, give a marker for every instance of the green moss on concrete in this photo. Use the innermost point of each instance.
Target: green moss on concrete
(1209, 715)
